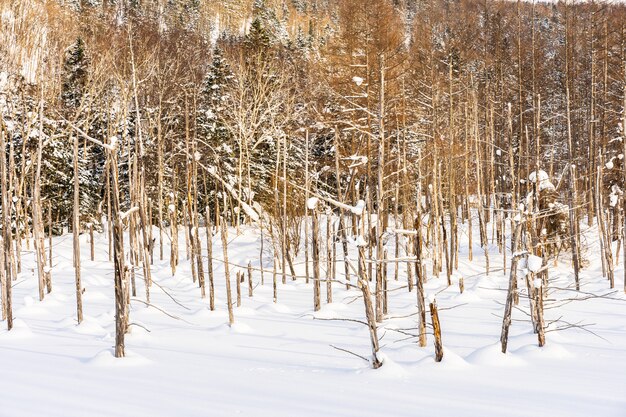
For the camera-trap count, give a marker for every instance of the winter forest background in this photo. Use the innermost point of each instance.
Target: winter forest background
(385, 158)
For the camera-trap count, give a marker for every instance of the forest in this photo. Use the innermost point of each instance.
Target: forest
(361, 148)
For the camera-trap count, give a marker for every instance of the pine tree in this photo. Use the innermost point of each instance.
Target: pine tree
(211, 117)
(74, 74)
(257, 39)
(57, 170)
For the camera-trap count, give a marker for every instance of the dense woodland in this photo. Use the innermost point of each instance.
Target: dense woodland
(404, 119)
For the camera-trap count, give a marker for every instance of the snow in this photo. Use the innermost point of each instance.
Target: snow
(311, 203)
(277, 359)
(544, 180)
(359, 208)
(534, 263)
(357, 80)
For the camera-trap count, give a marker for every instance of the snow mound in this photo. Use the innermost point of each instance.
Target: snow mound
(106, 358)
(549, 351)
(245, 311)
(275, 307)
(241, 328)
(492, 355)
(20, 330)
(390, 368)
(90, 326)
(450, 361)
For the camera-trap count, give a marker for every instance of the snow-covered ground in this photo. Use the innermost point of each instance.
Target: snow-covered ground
(277, 360)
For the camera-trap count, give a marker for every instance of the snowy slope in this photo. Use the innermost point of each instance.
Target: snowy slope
(277, 359)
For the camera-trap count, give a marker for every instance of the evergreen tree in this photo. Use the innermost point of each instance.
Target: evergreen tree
(57, 169)
(74, 74)
(211, 118)
(257, 39)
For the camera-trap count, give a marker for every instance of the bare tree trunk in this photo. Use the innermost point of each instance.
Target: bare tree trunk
(6, 233)
(315, 248)
(573, 199)
(250, 287)
(38, 224)
(434, 315)
(229, 299)
(174, 234)
(329, 259)
(419, 282)
(238, 286)
(371, 320)
(508, 309)
(342, 227)
(76, 235)
(121, 316)
(209, 250)
(306, 208)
